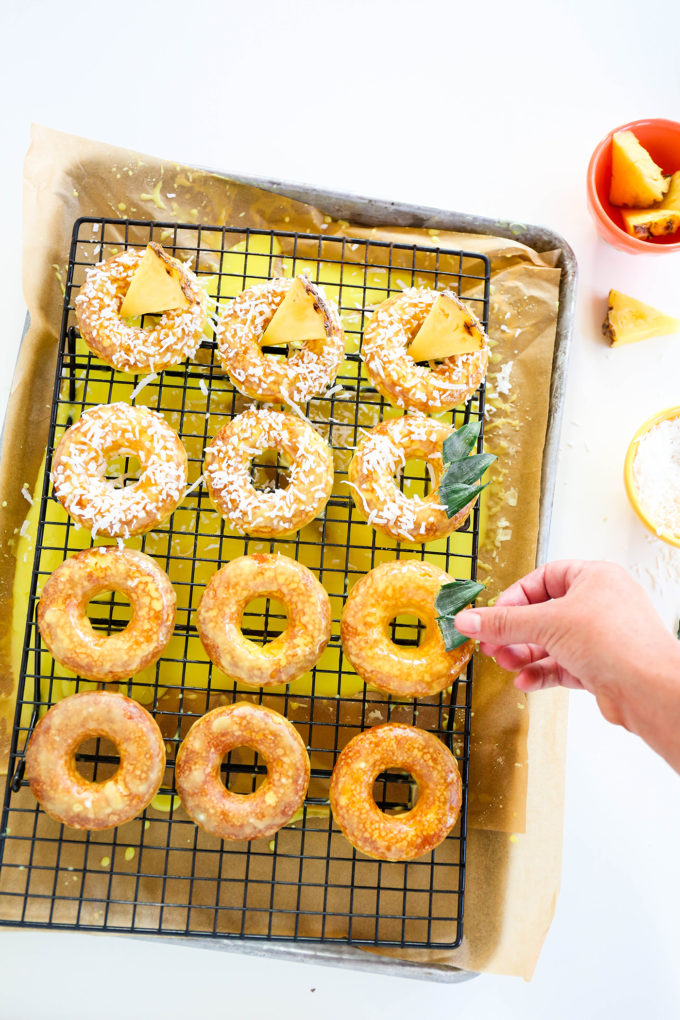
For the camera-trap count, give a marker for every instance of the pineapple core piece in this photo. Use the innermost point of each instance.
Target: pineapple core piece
(636, 179)
(297, 319)
(629, 320)
(448, 330)
(156, 285)
(663, 218)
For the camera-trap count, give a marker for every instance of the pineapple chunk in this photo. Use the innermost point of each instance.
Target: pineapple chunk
(298, 318)
(629, 320)
(156, 285)
(636, 179)
(449, 330)
(663, 218)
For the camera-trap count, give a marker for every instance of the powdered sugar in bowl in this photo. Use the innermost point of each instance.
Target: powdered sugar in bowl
(652, 474)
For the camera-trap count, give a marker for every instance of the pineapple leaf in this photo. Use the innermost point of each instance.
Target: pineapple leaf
(461, 470)
(451, 598)
(462, 441)
(455, 497)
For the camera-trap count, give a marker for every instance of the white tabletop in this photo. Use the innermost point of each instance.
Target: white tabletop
(429, 104)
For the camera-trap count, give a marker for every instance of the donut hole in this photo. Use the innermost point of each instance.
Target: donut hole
(416, 477)
(109, 611)
(97, 759)
(264, 619)
(407, 629)
(395, 791)
(243, 770)
(270, 470)
(122, 468)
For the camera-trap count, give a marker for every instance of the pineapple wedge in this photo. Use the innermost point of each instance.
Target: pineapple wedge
(629, 320)
(636, 179)
(660, 219)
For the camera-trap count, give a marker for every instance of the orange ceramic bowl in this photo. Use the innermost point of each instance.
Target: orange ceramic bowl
(631, 488)
(661, 138)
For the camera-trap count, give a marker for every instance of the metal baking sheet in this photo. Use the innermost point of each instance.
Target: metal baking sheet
(375, 213)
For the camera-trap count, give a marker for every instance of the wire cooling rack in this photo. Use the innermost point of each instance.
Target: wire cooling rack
(160, 874)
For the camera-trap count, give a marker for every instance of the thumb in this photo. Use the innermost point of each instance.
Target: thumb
(506, 625)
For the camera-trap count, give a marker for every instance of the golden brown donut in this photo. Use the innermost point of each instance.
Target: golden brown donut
(398, 377)
(412, 671)
(234, 815)
(411, 834)
(176, 335)
(289, 655)
(69, 635)
(50, 760)
(272, 513)
(379, 458)
(299, 377)
(79, 466)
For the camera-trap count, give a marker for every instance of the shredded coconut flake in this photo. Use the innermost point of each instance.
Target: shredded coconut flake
(141, 384)
(503, 377)
(656, 473)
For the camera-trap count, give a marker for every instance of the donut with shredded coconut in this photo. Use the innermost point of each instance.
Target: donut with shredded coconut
(305, 373)
(66, 629)
(286, 657)
(438, 387)
(51, 767)
(268, 514)
(374, 468)
(79, 470)
(410, 671)
(176, 335)
(410, 834)
(206, 798)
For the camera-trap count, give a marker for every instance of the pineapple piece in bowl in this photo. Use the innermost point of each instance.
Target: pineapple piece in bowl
(636, 179)
(658, 220)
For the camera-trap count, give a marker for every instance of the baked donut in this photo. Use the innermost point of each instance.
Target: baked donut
(379, 458)
(68, 633)
(289, 655)
(176, 335)
(233, 815)
(401, 380)
(412, 671)
(51, 769)
(272, 513)
(399, 837)
(79, 468)
(304, 373)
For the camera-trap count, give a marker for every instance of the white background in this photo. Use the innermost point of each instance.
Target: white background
(492, 110)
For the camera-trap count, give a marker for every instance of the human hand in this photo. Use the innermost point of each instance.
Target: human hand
(583, 624)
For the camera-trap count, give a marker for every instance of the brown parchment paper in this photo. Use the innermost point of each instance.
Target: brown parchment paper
(517, 757)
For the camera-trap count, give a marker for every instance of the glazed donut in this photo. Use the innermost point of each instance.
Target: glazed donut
(289, 655)
(398, 377)
(79, 467)
(304, 373)
(411, 834)
(68, 633)
(50, 760)
(372, 470)
(176, 335)
(281, 511)
(401, 586)
(233, 815)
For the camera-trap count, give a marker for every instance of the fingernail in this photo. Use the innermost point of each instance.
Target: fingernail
(468, 622)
